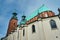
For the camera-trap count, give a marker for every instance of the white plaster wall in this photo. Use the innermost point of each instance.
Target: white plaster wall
(15, 35)
(20, 34)
(41, 30)
(50, 34)
(10, 36)
(25, 37)
(36, 35)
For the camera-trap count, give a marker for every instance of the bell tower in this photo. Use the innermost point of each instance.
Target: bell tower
(12, 23)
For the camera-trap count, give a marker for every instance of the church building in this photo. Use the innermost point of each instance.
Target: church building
(42, 24)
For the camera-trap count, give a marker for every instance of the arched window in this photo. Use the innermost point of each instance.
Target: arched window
(33, 28)
(23, 32)
(53, 24)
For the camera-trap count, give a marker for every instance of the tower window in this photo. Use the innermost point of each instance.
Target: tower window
(33, 28)
(23, 32)
(14, 24)
(53, 24)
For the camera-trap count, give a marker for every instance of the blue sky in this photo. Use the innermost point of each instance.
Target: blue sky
(7, 7)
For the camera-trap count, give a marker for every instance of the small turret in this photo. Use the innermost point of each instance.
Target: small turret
(23, 21)
(23, 17)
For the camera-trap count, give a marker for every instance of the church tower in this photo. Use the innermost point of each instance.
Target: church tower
(12, 23)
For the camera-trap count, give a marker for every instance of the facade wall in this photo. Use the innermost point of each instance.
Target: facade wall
(15, 34)
(20, 34)
(49, 33)
(43, 28)
(43, 31)
(33, 36)
(25, 36)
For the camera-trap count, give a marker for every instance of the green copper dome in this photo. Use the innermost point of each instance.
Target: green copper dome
(23, 22)
(41, 9)
(14, 16)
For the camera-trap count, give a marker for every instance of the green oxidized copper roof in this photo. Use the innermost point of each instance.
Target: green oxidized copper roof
(41, 9)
